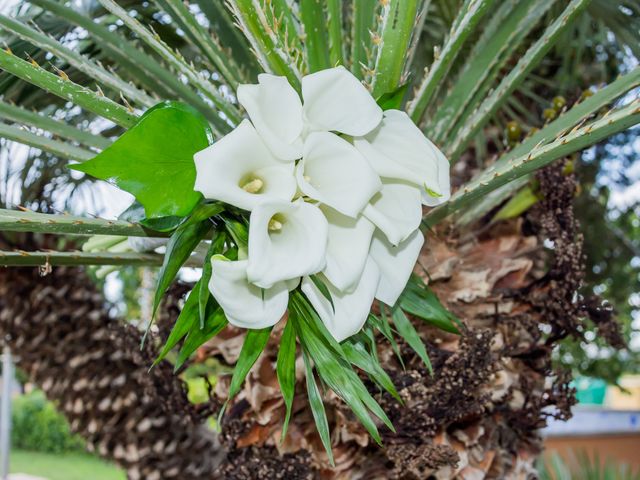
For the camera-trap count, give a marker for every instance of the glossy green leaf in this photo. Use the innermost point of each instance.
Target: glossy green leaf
(214, 322)
(382, 325)
(216, 247)
(324, 290)
(183, 325)
(317, 409)
(286, 370)
(154, 159)
(393, 100)
(181, 244)
(136, 214)
(239, 232)
(332, 367)
(359, 356)
(254, 343)
(411, 336)
(419, 300)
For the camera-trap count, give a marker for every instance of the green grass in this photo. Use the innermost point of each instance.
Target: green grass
(65, 466)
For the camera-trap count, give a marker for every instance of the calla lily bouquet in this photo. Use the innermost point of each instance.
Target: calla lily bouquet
(311, 206)
(333, 187)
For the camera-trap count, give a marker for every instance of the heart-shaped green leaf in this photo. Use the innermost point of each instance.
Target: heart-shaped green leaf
(154, 159)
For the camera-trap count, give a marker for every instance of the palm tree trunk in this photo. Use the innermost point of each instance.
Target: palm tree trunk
(92, 366)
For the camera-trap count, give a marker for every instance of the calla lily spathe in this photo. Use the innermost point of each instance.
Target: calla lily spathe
(246, 305)
(350, 310)
(276, 112)
(395, 263)
(347, 248)
(396, 210)
(398, 150)
(335, 100)
(286, 240)
(333, 172)
(240, 170)
(332, 100)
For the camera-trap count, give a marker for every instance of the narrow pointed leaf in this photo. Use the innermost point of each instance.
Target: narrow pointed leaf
(183, 241)
(516, 76)
(93, 70)
(361, 46)
(286, 370)
(56, 147)
(361, 358)
(419, 300)
(184, 323)
(214, 322)
(437, 71)
(317, 409)
(77, 94)
(411, 336)
(316, 38)
(216, 247)
(399, 17)
(23, 116)
(254, 343)
(576, 140)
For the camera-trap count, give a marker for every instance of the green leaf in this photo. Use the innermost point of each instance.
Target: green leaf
(398, 17)
(316, 35)
(216, 247)
(214, 322)
(419, 300)
(135, 214)
(181, 244)
(183, 325)
(393, 100)
(359, 356)
(317, 409)
(518, 204)
(253, 345)
(154, 159)
(324, 290)
(286, 370)
(332, 366)
(239, 232)
(382, 325)
(409, 333)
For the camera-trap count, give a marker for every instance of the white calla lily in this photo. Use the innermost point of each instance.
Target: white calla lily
(350, 310)
(433, 198)
(395, 263)
(333, 172)
(397, 149)
(396, 210)
(246, 305)
(275, 110)
(240, 170)
(286, 240)
(335, 100)
(347, 248)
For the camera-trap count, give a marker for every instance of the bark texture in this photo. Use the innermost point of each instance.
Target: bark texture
(92, 366)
